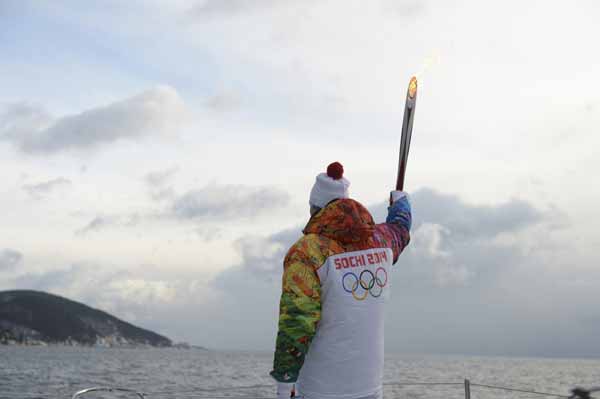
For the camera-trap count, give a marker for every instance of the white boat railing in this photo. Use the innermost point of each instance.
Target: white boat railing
(77, 394)
(577, 393)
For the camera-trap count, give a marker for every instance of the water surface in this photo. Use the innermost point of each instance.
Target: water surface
(58, 372)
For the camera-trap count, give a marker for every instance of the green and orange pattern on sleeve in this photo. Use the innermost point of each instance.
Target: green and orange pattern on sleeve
(300, 305)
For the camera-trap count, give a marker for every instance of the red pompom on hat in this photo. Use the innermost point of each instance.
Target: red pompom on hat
(335, 170)
(329, 186)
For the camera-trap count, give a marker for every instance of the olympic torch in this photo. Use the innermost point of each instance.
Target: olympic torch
(407, 125)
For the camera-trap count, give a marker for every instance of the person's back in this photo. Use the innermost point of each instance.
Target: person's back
(335, 283)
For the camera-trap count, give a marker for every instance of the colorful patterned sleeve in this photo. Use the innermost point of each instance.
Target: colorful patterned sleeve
(299, 309)
(395, 232)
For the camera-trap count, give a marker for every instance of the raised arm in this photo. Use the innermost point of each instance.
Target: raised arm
(396, 229)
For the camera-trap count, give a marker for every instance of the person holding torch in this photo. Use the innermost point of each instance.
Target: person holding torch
(336, 279)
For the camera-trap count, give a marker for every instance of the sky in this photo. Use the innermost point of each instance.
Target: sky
(156, 160)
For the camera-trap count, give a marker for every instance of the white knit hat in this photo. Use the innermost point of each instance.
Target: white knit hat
(329, 186)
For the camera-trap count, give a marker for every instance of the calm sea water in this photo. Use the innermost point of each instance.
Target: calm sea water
(58, 372)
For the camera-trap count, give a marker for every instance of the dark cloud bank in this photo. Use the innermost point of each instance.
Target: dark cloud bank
(471, 282)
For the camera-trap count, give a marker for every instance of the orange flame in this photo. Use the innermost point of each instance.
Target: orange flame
(412, 87)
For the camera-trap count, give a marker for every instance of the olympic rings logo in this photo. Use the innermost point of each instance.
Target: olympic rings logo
(368, 282)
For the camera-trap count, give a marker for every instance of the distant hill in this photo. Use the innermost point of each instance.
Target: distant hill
(38, 317)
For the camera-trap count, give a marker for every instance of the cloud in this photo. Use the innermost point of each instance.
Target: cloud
(456, 244)
(214, 202)
(39, 190)
(468, 220)
(103, 222)
(9, 259)
(156, 111)
(465, 292)
(234, 7)
(428, 237)
(161, 177)
(247, 294)
(17, 120)
(227, 202)
(209, 233)
(263, 256)
(224, 101)
(469, 282)
(405, 8)
(408, 8)
(158, 183)
(136, 294)
(97, 224)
